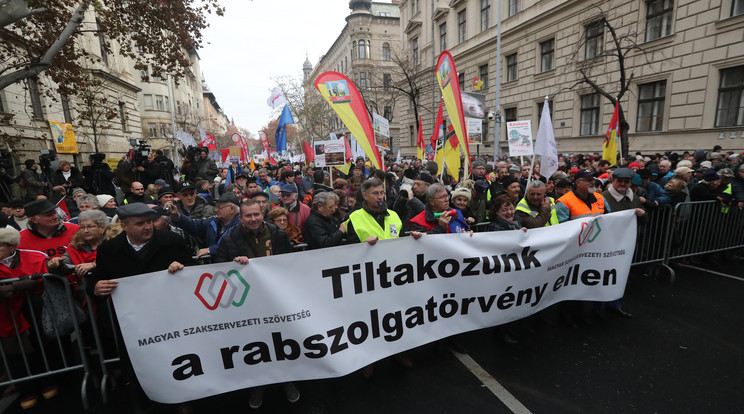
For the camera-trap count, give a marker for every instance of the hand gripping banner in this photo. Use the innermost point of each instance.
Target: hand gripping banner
(324, 313)
(450, 87)
(345, 99)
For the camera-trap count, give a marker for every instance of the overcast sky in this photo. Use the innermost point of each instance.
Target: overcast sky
(262, 39)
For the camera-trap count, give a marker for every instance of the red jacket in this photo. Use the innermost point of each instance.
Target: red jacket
(52, 247)
(29, 262)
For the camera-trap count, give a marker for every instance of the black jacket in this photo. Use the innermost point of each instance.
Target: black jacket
(116, 258)
(76, 179)
(232, 244)
(320, 231)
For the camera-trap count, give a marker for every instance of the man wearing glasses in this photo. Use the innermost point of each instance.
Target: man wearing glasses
(373, 221)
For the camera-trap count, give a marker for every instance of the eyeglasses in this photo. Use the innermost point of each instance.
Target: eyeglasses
(86, 228)
(376, 193)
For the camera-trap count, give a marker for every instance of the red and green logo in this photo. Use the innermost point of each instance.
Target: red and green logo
(589, 232)
(222, 289)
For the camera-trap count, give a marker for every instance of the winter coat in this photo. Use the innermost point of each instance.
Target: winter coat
(116, 258)
(321, 231)
(233, 245)
(208, 229)
(499, 224)
(75, 180)
(201, 209)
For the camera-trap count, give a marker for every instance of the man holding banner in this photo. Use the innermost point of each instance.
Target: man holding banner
(255, 238)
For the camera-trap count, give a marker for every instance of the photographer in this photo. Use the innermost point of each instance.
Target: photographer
(32, 181)
(98, 176)
(166, 168)
(206, 169)
(67, 176)
(145, 170)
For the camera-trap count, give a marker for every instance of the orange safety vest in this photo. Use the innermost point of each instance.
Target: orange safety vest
(579, 208)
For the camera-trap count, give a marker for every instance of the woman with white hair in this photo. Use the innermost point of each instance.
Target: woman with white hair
(15, 263)
(81, 253)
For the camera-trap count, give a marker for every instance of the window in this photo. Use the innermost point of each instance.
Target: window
(148, 101)
(515, 6)
(485, 14)
(144, 75)
(658, 18)
(369, 52)
(415, 47)
(730, 110)
(651, 106)
(412, 133)
(353, 51)
(442, 37)
(511, 68)
(385, 14)
(386, 51)
(167, 104)
(102, 43)
(540, 109)
(387, 81)
(152, 130)
(589, 114)
(36, 106)
(510, 114)
(737, 7)
(163, 130)
(546, 55)
(483, 75)
(159, 103)
(363, 80)
(388, 113)
(362, 49)
(461, 29)
(66, 114)
(594, 39)
(461, 80)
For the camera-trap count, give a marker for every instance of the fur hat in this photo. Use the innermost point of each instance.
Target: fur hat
(461, 192)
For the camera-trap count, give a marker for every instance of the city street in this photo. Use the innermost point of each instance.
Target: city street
(683, 352)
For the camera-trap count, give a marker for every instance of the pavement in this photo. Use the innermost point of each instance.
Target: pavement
(682, 352)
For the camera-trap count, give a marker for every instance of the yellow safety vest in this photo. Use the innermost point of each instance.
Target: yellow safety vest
(525, 208)
(728, 190)
(365, 225)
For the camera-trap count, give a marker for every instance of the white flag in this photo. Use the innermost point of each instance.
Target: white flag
(398, 159)
(545, 144)
(277, 99)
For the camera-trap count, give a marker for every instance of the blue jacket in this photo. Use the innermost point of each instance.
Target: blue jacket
(207, 229)
(657, 193)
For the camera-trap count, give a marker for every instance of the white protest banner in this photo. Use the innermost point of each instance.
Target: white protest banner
(212, 329)
(519, 134)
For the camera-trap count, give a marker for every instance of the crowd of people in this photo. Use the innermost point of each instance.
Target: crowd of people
(144, 218)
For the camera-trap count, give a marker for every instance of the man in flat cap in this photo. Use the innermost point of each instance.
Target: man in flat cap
(45, 232)
(138, 249)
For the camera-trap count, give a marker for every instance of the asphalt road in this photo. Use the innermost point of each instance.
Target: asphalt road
(683, 352)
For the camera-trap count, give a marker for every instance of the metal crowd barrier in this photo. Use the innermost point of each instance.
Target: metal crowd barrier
(706, 227)
(49, 346)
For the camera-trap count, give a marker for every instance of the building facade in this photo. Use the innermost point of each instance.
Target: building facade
(684, 63)
(365, 52)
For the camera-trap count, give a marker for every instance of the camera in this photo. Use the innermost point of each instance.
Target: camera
(141, 154)
(45, 158)
(491, 115)
(97, 158)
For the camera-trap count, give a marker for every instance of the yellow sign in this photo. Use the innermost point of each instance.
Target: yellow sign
(63, 137)
(113, 163)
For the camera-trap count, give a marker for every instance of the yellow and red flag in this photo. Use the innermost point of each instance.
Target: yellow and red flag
(477, 83)
(345, 99)
(609, 145)
(449, 154)
(450, 87)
